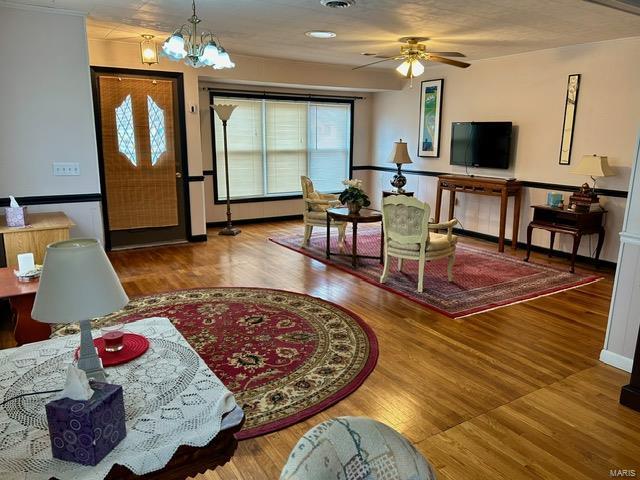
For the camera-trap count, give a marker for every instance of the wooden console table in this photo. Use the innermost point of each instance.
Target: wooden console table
(563, 220)
(492, 186)
(43, 229)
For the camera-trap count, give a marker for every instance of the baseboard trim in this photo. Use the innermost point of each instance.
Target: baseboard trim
(245, 221)
(198, 238)
(616, 360)
(534, 248)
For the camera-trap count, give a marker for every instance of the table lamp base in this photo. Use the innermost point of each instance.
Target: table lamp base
(88, 360)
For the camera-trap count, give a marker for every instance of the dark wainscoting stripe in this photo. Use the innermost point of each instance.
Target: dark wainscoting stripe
(51, 199)
(526, 183)
(535, 248)
(196, 178)
(246, 221)
(223, 201)
(207, 172)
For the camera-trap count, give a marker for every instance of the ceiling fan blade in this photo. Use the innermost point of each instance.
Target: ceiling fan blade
(372, 63)
(448, 61)
(449, 54)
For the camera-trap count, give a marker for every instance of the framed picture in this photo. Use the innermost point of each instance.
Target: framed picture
(570, 105)
(430, 113)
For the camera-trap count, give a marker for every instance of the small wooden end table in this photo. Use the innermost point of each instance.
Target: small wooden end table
(562, 220)
(43, 229)
(366, 215)
(21, 296)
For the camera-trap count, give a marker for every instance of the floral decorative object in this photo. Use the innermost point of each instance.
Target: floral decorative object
(353, 196)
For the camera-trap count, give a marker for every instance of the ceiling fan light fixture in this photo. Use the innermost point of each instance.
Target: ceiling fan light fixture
(403, 68)
(417, 68)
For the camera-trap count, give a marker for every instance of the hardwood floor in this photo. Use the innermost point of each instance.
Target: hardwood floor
(513, 393)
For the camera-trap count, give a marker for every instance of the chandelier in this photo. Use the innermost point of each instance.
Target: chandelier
(202, 51)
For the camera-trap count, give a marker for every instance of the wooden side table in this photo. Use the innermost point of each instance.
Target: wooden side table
(562, 220)
(491, 186)
(366, 215)
(43, 229)
(21, 296)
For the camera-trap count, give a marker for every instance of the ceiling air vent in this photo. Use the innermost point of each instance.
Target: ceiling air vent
(338, 3)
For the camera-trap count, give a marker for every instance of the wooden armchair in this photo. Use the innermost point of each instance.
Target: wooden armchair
(315, 211)
(408, 234)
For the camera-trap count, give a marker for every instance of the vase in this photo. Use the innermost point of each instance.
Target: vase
(354, 207)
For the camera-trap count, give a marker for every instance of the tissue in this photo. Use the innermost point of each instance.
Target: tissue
(16, 216)
(76, 386)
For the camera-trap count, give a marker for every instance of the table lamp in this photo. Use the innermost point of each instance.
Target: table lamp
(399, 156)
(77, 284)
(593, 166)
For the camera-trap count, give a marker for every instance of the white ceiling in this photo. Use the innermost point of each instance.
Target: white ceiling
(275, 28)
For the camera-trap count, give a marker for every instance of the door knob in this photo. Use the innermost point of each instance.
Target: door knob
(178, 175)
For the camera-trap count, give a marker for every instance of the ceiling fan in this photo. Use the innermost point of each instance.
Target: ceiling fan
(414, 53)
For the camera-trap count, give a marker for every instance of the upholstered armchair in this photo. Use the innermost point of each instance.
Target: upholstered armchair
(315, 211)
(409, 235)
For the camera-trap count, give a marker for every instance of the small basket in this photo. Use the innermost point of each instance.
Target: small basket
(16, 216)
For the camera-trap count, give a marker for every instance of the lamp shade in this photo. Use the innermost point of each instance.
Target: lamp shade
(77, 283)
(224, 111)
(593, 166)
(400, 154)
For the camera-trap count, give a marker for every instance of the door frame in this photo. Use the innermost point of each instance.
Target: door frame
(182, 124)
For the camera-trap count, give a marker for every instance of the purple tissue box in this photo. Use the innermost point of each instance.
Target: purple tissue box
(85, 431)
(16, 216)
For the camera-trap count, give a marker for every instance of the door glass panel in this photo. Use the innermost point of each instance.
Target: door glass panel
(124, 127)
(156, 130)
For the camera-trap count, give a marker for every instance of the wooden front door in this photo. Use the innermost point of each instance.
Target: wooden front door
(141, 159)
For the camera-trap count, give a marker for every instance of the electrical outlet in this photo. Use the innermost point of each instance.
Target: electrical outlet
(64, 169)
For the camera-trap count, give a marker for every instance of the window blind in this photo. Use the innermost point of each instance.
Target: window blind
(273, 142)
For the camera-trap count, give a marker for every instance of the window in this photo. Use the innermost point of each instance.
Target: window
(157, 137)
(272, 142)
(125, 131)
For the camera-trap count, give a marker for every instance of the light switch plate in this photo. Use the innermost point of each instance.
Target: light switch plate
(63, 169)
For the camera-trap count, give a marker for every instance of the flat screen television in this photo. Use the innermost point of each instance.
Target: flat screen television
(481, 144)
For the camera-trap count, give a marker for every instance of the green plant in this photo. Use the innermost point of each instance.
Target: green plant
(354, 193)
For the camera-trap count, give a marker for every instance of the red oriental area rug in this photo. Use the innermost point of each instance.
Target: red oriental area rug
(284, 355)
(483, 280)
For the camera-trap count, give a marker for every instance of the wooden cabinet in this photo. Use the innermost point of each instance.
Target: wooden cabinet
(43, 229)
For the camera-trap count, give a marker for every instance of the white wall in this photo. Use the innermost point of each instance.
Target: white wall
(529, 90)
(361, 152)
(47, 111)
(624, 316)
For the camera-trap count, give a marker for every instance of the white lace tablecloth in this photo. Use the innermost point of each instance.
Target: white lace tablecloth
(171, 399)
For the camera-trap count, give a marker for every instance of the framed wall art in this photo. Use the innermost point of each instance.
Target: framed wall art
(570, 106)
(430, 118)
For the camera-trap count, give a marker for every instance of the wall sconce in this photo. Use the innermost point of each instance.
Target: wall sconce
(148, 50)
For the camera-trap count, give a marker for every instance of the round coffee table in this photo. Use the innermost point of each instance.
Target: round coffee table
(366, 215)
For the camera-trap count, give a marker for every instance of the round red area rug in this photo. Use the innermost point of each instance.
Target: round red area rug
(284, 355)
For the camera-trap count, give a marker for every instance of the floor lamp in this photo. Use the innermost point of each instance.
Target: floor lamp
(224, 113)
